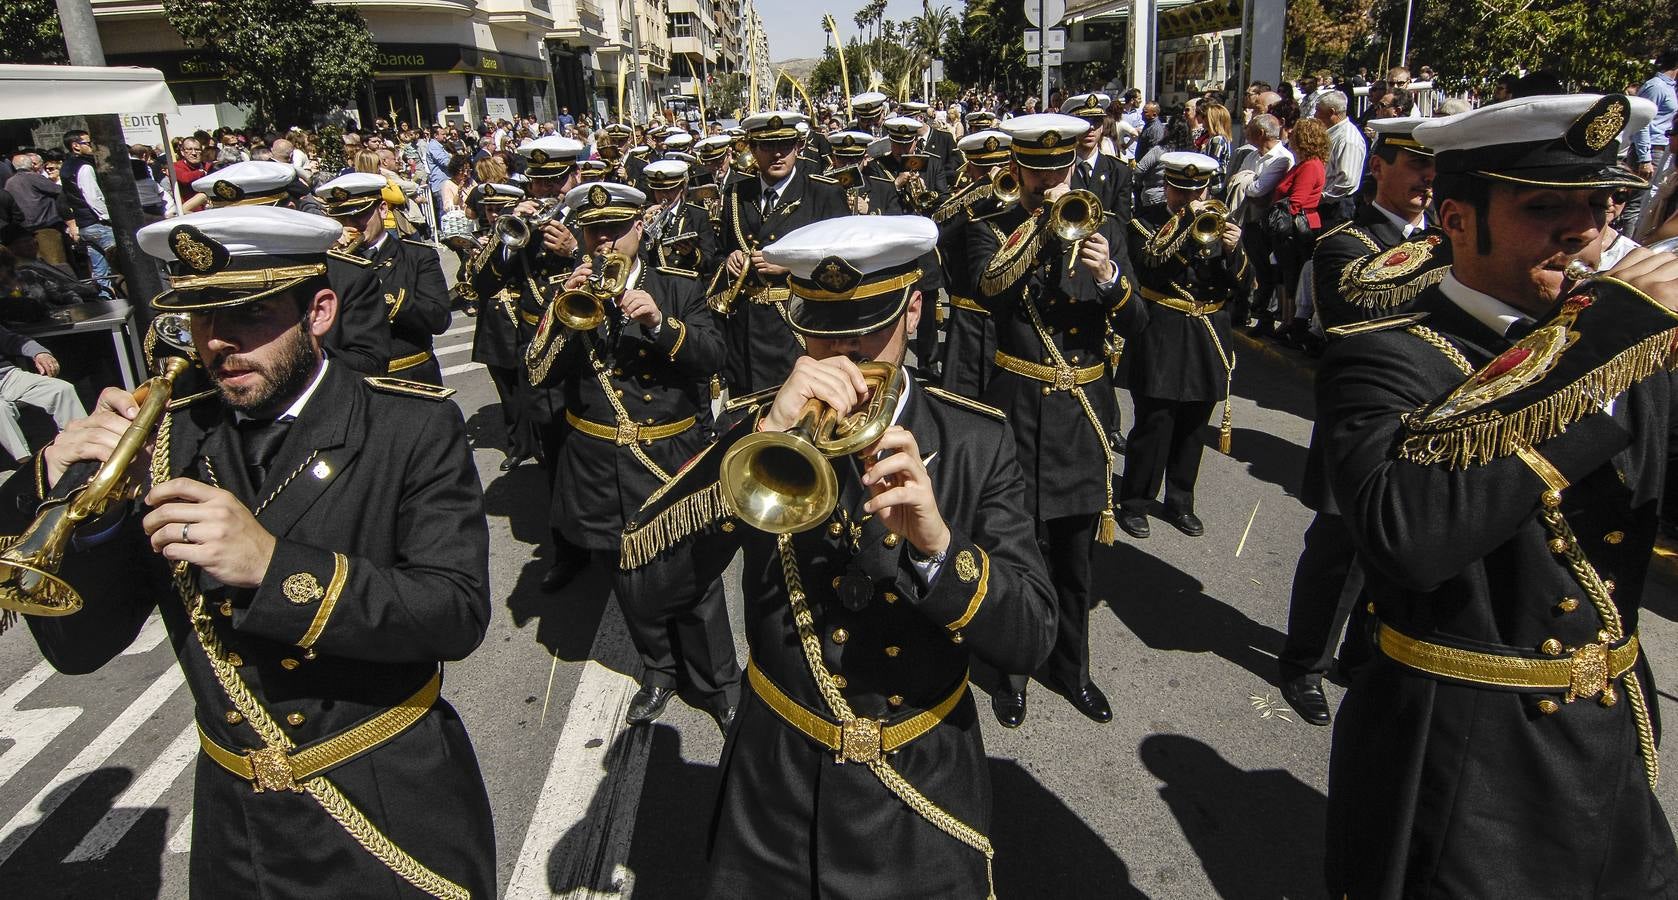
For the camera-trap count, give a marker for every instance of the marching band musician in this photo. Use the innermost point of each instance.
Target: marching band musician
(415, 294)
(856, 758)
(869, 107)
(615, 139)
(314, 541)
(934, 142)
(1389, 256)
(919, 191)
(1053, 319)
(1498, 454)
(637, 405)
(1182, 363)
(679, 232)
(1099, 173)
(591, 170)
(495, 333)
(522, 277)
(360, 336)
(969, 336)
(877, 195)
(762, 345)
(978, 120)
(716, 157)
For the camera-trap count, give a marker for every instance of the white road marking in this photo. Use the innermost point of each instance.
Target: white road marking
(463, 367)
(150, 636)
(463, 329)
(29, 730)
(181, 840)
(49, 798)
(440, 351)
(139, 798)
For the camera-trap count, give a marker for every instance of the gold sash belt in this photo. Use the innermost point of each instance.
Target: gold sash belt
(1062, 378)
(629, 434)
(272, 769)
(859, 740)
(1582, 672)
(407, 362)
(1187, 307)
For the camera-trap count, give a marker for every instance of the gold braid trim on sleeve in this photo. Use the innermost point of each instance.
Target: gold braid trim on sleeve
(978, 594)
(340, 574)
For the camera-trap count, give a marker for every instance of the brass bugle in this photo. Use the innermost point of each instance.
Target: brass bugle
(1075, 216)
(584, 308)
(29, 565)
(1206, 228)
(722, 303)
(781, 482)
(515, 231)
(1004, 186)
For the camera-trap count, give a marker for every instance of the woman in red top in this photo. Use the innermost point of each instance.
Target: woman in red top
(1302, 187)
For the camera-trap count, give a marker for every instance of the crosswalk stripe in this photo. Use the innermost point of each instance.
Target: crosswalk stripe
(181, 840)
(29, 730)
(150, 636)
(440, 351)
(50, 797)
(463, 329)
(463, 367)
(140, 796)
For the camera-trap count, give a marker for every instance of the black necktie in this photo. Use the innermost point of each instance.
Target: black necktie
(1085, 168)
(260, 439)
(1520, 329)
(768, 202)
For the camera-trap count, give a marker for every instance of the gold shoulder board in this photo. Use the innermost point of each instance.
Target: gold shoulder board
(823, 179)
(994, 213)
(1335, 230)
(1356, 232)
(349, 258)
(745, 400)
(680, 273)
(1373, 325)
(389, 385)
(967, 403)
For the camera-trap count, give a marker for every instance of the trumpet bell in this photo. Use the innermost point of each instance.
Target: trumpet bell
(1207, 226)
(1004, 186)
(779, 482)
(513, 232)
(1075, 216)
(28, 563)
(579, 310)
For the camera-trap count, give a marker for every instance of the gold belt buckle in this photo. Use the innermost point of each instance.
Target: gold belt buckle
(860, 741)
(628, 433)
(1588, 675)
(1065, 378)
(271, 770)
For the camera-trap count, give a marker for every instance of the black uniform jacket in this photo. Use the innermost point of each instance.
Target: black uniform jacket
(934, 176)
(792, 823)
(1061, 451)
(1110, 179)
(942, 145)
(761, 345)
(969, 336)
(373, 501)
(529, 274)
(1369, 232)
(699, 251)
(1175, 357)
(360, 337)
(1446, 788)
(416, 304)
(663, 378)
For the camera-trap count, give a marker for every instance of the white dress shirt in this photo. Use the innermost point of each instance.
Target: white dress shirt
(1346, 151)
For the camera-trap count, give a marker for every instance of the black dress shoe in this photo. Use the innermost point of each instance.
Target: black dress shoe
(1090, 701)
(1009, 707)
(1120, 445)
(512, 462)
(562, 574)
(1305, 695)
(1134, 524)
(1262, 328)
(724, 717)
(1185, 521)
(647, 704)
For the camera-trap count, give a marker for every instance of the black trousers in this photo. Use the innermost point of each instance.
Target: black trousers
(1257, 246)
(1067, 543)
(682, 634)
(1321, 602)
(521, 435)
(1164, 446)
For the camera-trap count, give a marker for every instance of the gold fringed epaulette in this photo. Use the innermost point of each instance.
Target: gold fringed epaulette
(1564, 371)
(349, 258)
(967, 403)
(1391, 278)
(388, 385)
(691, 501)
(1015, 258)
(736, 404)
(1373, 325)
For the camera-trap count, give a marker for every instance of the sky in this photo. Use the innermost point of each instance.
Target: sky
(795, 28)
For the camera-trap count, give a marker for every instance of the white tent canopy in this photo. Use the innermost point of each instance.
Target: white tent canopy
(29, 92)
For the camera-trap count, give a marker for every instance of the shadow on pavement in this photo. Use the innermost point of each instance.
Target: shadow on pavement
(1266, 456)
(486, 430)
(1258, 833)
(1283, 381)
(1043, 848)
(1167, 609)
(672, 823)
(134, 868)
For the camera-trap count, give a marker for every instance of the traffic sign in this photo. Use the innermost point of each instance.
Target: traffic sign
(1041, 12)
(1033, 60)
(1053, 58)
(1056, 38)
(1033, 40)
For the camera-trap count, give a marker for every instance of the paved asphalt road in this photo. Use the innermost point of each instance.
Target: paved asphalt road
(1204, 785)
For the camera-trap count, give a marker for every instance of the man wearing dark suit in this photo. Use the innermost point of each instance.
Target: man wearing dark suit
(935, 142)
(415, 294)
(855, 761)
(685, 237)
(869, 107)
(969, 335)
(756, 212)
(315, 542)
(876, 195)
(1094, 171)
(1501, 491)
(637, 403)
(1048, 303)
(1388, 257)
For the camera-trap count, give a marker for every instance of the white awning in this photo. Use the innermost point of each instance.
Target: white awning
(31, 92)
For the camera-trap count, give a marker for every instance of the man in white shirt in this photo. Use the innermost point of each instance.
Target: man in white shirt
(1346, 151)
(1270, 161)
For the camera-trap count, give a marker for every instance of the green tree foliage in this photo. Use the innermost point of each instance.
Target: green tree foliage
(288, 61)
(1322, 34)
(726, 95)
(986, 48)
(1590, 44)
(29, 32)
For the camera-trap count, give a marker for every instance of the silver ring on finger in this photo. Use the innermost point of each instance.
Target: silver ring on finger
(184, 538)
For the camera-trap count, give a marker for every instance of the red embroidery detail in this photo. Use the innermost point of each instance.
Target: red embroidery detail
(1499, 367)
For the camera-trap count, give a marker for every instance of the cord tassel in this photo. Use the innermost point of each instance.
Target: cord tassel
(1108, 531)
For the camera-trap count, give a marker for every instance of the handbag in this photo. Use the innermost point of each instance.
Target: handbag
(1282, 224)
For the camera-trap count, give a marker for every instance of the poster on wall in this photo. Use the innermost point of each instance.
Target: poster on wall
(498, 108)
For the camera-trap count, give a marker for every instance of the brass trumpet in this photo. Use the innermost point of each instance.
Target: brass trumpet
(29, 581)
(584, 308)
(1004, 186)
(781, 481)
(1075, 216)
(1206, 228)
(515, 231)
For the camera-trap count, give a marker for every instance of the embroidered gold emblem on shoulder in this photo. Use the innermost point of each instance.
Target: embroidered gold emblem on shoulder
(966, 569)
(302, 588)
(1401, 260)
(388, 385)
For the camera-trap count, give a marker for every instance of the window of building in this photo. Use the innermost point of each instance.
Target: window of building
(681, 25)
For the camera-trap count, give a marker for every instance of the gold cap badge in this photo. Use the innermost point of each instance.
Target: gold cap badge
(199, 253)
(598, 197)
